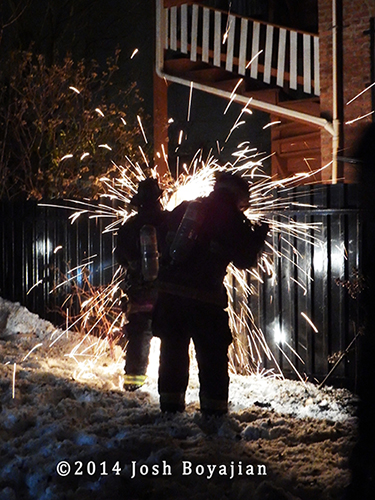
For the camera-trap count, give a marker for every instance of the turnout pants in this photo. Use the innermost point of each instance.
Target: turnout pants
(176, 320)
(138, 335)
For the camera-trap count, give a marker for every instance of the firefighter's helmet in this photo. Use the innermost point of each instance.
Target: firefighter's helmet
(148, 193)
(235, 184)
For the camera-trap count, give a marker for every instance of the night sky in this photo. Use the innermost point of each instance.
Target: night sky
(89, 30)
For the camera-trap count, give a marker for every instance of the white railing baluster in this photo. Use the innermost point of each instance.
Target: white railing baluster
(230, 43)
(243, 47)
(307, 64)
(184, 28)
(165, 21)
(268, 54)
(255, 50)
(293, 61)
(194, 33)
(217, 39)
(173, 38)
(316, 66)
(206, 35)
(281, 58)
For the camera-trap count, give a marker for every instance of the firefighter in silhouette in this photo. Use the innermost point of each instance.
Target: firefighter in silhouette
(200, 239)
(137, 252)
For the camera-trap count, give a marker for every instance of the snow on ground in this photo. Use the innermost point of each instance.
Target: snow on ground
(69, 431)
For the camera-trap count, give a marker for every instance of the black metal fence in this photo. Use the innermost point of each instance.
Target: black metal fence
(41, 249)
(307, 309)
(310, 311)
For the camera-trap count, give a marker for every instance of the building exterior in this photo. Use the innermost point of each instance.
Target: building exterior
(311, 68)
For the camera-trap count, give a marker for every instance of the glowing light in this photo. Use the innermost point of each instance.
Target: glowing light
(279, 335)
(34, 286)
(304, 315)
(142, 129)
(57, 249)
(85, 155)
(227, 28)
(135, 51)
(233, 95)
(180, 137)
(358, 95)
(190, 100)
(66, 157)
(359, 118)
(253, 59)
(75, 90)
(105, 146)
(33, 349)
(271, 124)
(99, 111)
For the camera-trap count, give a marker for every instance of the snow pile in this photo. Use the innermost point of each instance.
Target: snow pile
(16, 319)
(69, 431)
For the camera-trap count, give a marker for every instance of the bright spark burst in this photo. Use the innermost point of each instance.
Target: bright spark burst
(100, 316)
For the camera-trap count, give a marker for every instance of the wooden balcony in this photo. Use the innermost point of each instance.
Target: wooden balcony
(268, 53)
(261, 65)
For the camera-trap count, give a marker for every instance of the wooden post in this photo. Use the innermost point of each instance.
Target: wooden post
(160, 124)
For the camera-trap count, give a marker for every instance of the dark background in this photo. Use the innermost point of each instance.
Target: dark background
(93, 30)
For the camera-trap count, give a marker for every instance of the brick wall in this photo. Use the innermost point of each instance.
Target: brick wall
(356, 73)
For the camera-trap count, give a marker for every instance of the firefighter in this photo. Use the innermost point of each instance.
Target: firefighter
(137, 252)
(200, 239)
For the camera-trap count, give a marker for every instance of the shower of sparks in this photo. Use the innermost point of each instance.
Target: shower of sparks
(100, 317)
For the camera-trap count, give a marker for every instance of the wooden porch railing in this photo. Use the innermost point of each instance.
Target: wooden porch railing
(270, 53)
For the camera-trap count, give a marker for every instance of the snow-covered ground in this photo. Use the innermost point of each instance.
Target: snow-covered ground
(69, 431)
